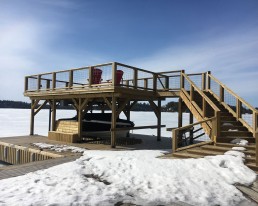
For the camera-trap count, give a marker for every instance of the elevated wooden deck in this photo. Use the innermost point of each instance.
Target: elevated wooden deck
(220, 113)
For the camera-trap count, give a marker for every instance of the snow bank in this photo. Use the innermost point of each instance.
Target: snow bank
(108, 177)
(239, 141)
(59, 147)
(238, 148)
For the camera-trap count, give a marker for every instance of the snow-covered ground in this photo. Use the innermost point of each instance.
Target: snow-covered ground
(109, 177)
(138, 177)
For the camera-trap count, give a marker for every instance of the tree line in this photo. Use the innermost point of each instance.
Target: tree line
(169, 107)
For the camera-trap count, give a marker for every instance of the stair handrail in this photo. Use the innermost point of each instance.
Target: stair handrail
(239, 102)
(193, 87)
(175, 131)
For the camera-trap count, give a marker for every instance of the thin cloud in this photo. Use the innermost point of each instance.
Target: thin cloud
(231, 58)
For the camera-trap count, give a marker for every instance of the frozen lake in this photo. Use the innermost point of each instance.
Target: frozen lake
(16, 122)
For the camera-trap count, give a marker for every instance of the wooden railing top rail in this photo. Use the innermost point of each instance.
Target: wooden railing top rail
(233, 93)
(195, 74)
(132, 67)
(75, 69)
(191, 125)
(201, 93)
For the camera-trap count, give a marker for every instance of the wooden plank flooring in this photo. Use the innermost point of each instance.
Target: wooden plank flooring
(17, 170)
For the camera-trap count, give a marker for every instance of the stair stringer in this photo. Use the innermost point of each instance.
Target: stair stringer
(197, 113)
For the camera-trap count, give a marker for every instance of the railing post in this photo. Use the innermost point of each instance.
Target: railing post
(204, 108)
(256, 146)
(203, 81)
(238, 108)
(90, 75)
(191, 93)
(208, 80)
(70, 79)
(26, 84)
(182, 79)
(114, 68)
(48, 84)
(255, 122)
(54, 81)
(155, 82)
(39, 83)
(221, 94)
(167, 82)
(174, 140)
(145, 83)
(135, 78)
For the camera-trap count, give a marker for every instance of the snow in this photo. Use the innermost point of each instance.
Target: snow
(238, 148)
(59, 147)
(138, 177)
(235, 153)
(239, 141)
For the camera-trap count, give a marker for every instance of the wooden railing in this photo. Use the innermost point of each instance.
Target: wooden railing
(178, 134)
(238, 107)
(83, 78)
(200, 105)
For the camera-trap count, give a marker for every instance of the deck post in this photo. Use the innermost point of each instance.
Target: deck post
(32, 115)
(159, 121)
(49, 119)
(208, 80)
(53, 115)
(113, 124)
(114, 68)
(180, 113)
(182, 80)
(191, 131)
(203, 81)
(80, 119)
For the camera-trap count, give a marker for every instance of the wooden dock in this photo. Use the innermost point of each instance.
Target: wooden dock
(18, 170)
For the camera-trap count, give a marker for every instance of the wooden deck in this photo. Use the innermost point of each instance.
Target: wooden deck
(18, 170)
(147, 143)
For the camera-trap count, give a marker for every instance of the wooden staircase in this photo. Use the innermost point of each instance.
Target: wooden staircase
(230, 127)
(223, 121)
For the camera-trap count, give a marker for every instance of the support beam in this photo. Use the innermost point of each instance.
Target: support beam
(108, 102)
(154, 107)
(40, 107)
(159, 121)
(191, 131)
(80, 119)
(180, 113)
(121, 107)
(53, 115)
(113, 124)
(32, 115)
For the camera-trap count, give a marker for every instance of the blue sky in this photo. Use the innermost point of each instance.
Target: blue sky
(39, 36)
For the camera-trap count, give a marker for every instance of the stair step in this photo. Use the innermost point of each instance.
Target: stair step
(227, 118)
(186, 155)
(204, 152)
(232, 123)
(233, 127)
(249, 160)
(252, 166)
(236, 133)
(248, 192)
(226, 114)
(225, 149)
(249, 146)
(228, 139)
